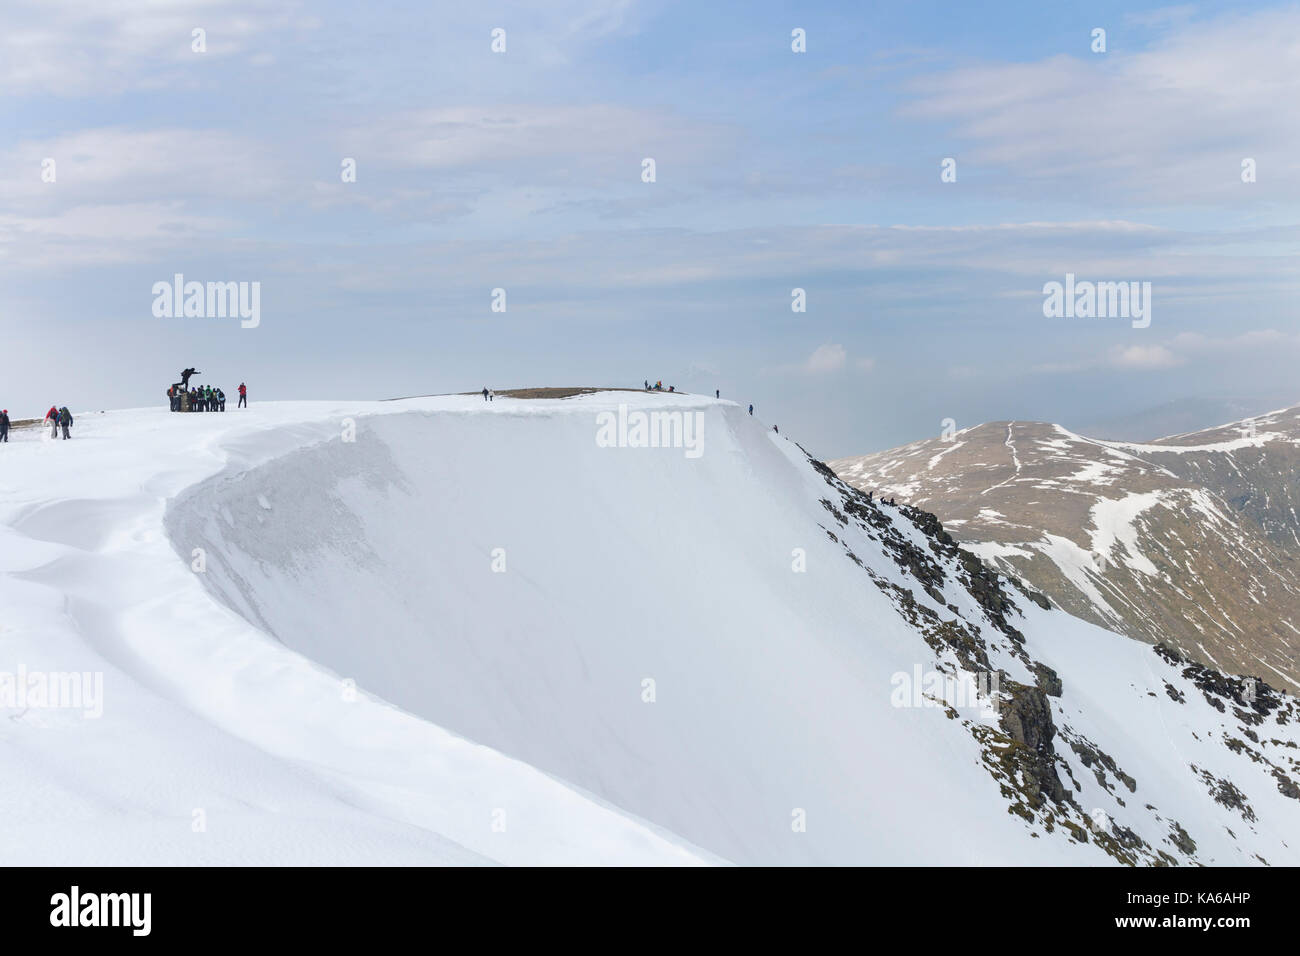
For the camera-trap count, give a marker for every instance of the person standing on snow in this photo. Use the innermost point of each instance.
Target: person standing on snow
(243, 395)
(717, 393)
(221, 400)
(751, 408)
(65, 419)
(4, 425)
(485, 393)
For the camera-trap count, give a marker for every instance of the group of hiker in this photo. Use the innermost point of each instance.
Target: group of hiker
(658, 387)
(200, 398)
(56, 418)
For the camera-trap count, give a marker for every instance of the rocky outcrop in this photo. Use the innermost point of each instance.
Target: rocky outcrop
(1036, 759)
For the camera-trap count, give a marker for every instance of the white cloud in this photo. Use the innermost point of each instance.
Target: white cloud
(825, 358)
(1145, 357)
(1169, 122)
(594, 137)
(829, 358)
(1186, 348)
(117, 164)
(1191, 346)
(77, 48)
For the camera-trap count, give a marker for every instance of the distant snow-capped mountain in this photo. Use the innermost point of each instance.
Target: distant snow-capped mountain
(1191, 540)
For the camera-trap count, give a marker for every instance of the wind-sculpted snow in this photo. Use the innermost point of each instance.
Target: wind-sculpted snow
(213, 743)
(736, 647)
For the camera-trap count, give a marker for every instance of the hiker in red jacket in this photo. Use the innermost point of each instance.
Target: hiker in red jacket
(243, 396)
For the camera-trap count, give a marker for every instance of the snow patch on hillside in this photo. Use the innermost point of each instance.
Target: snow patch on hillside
(1113, 521)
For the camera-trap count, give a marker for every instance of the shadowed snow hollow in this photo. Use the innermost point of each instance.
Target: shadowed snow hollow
(503, 576)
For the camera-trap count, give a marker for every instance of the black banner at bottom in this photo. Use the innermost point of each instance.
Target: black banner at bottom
(334, 906)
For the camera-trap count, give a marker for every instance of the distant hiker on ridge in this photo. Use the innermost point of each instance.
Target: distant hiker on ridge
(4, 425)
(485, 393)
(243, 396)
(751, 408)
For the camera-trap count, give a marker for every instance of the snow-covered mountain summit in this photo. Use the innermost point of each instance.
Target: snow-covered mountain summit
(619, 627)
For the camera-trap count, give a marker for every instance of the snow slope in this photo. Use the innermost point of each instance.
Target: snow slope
(216, 744)
(445, 631)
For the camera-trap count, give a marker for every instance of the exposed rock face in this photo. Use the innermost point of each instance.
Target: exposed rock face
(1191, 540)
(1027, 717)
(1037, 759)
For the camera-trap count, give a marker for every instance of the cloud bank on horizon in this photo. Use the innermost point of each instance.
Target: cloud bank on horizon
(848, 216)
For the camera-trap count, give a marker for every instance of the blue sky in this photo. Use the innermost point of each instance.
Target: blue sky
(774, 170)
